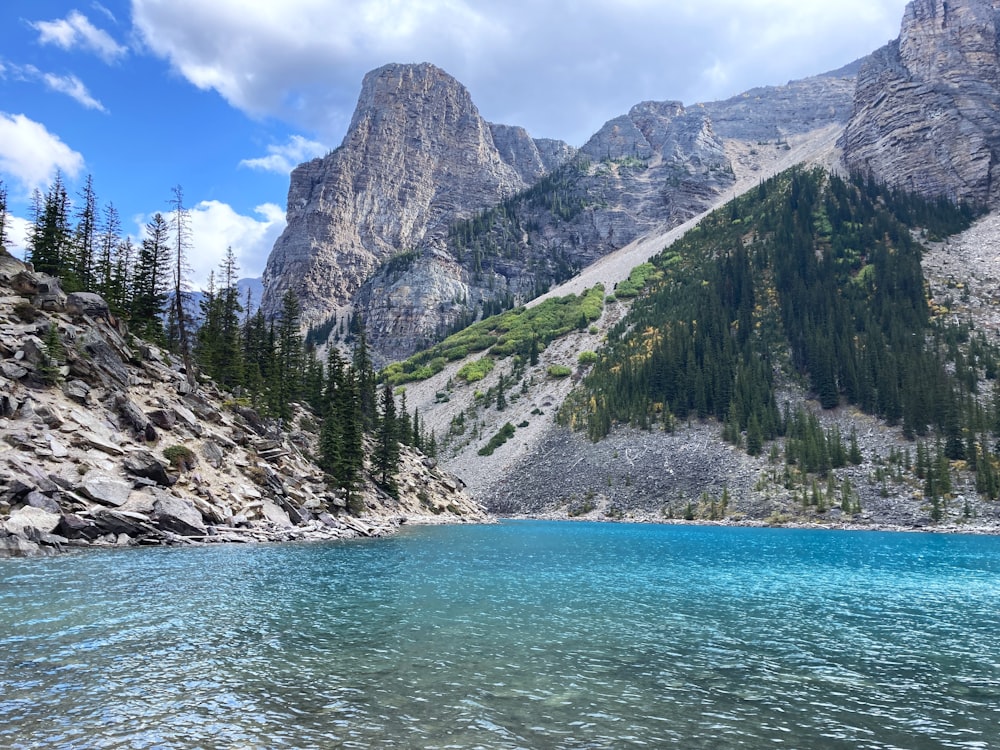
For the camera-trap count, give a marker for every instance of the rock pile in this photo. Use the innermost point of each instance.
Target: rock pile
(104, 442)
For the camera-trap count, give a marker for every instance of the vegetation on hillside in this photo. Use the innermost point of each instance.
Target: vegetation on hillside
(811, 279)
(524, 331)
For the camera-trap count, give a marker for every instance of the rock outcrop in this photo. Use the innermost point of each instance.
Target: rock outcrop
(103, 441)
(416, 156)
(773, 113)
(925, 109)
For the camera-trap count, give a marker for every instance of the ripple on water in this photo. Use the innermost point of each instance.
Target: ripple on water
(523, 635)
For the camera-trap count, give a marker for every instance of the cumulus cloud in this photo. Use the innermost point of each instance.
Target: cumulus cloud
(76, 31)
(561, 71)
(216, 226)
(31, 155)
(282, 159)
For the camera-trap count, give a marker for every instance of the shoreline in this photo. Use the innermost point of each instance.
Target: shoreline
(950, 528)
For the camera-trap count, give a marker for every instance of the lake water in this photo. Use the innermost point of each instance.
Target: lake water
(520, 635)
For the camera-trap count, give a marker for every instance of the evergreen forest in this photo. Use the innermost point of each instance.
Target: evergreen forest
(810, 280)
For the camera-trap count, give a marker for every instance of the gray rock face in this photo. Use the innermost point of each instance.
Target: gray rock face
(925, 109)
(770, 113)
(416, 155)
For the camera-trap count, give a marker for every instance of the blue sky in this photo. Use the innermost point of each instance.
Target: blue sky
(224, 97)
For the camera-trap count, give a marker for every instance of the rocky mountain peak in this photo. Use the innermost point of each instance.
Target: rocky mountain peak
(417, 155)
(925, 116)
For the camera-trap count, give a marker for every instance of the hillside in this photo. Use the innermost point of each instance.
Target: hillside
(105, 442)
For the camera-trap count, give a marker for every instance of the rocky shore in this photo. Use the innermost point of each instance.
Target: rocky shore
(104, 441)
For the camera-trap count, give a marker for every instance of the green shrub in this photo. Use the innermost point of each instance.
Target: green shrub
(587, 358)
(472, 372)
(559, 371)
(181, 457)
(506, 433)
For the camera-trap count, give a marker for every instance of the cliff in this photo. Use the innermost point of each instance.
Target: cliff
(925, 117)
(416, 154)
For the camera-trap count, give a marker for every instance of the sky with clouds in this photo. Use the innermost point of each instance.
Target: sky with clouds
(225, 97)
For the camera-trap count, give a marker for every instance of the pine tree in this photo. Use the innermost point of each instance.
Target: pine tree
(3, 214)
(182, 239)
(387, 450)
(85, 242)
(150, 282)
(285, 381)
(49, 239)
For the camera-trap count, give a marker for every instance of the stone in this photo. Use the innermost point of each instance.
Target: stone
(28, 520)
(18, 546)
(58, 449)
(144, 464)
(73, 526)
(163, 418)
(37, 500)
(177, 515)
(274, 514)
(87, 303)
(117, 522)
(12, 370)
(104, 489)
(77, 390)
(134, 416)
(90, 440)
(212, 453)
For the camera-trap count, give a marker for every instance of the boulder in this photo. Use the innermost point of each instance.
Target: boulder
(103, 488)
(177, 515)
(274, 514)
(162, 418)
(18, 546)
(30, 521)
(87, 303)
(77, 390)
(144, 464)
(73, 526)
(37, 500)
(117, 522)
(212, 453)
(135, 417)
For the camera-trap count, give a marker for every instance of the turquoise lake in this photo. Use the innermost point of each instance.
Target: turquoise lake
(519, 635)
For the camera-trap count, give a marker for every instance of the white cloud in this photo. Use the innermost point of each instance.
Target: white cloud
(68, 84)
(541, 65)
(283, 159)
(17, 235)
(76, 30)
(31, 155)
(216, 226)
(74, 88)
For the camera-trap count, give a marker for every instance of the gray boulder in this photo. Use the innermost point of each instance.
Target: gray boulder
(30, 521)
(104, 489)
(144, 464)
(177, 515)
(87, 303)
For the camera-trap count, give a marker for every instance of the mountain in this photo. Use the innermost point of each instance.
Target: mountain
(417, 153)
(925, 110)
(660, 465)
(427, 217)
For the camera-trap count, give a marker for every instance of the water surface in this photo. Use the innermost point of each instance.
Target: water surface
(522, 635)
